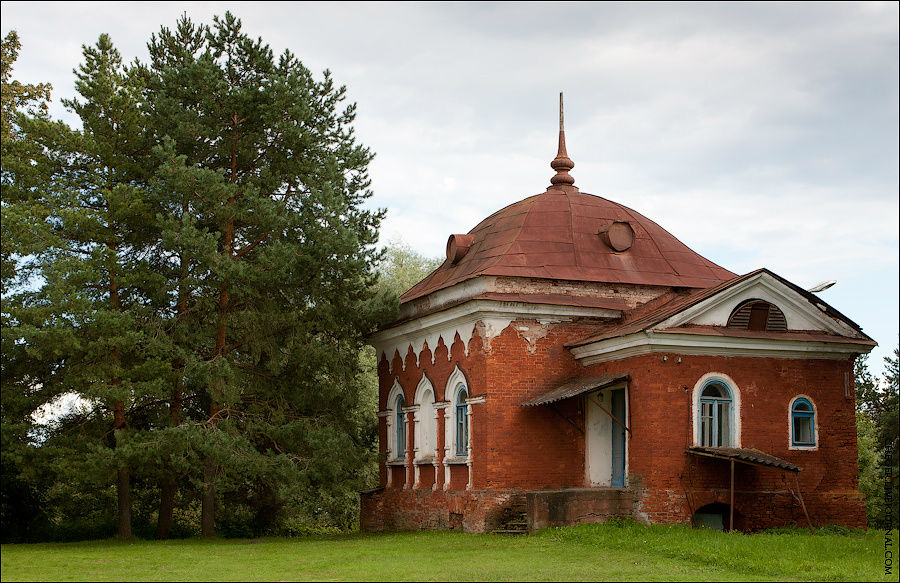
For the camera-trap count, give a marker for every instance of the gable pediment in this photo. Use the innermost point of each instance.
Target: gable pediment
(800, 313)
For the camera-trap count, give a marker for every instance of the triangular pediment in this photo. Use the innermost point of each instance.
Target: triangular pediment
(802, 310)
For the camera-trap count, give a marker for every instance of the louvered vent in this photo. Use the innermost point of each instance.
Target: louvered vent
(758, 315)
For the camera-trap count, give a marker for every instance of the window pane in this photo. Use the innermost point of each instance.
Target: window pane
(715, 390)
(803, 432)
(401, 427)
(724, 433)
(706, 422)
(802, 406)
(462, 430)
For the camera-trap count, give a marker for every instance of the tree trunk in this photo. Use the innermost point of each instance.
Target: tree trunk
(124, 504)
(123, 482)
(208, 502)
(167, 489)
(166, 507)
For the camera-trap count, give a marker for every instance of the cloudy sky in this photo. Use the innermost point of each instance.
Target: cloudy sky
(761, 135)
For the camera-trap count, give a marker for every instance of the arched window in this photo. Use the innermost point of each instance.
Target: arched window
(803, 423)
(426, 428)
(462, 421)
(400, 426)
(716, 415)
(759, 315)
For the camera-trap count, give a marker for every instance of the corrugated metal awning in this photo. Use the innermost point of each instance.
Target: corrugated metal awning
(575, 388)
(747, 456)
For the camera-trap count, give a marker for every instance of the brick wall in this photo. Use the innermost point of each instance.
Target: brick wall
(517, 448)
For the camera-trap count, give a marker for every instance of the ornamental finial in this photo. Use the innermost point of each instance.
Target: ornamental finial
(562, 163)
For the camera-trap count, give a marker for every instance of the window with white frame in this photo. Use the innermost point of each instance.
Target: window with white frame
(716, 413)
(396, 423)
(456, 416)
(400, 426)
(803, 423)
(426, 427)
(461, 408)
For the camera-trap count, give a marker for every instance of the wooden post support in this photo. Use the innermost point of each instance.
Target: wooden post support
(731, 505)
(802, 504)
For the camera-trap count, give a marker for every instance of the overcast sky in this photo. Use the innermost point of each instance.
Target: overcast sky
(761, 135)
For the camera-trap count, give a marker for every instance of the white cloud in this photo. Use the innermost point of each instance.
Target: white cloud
(759, 134)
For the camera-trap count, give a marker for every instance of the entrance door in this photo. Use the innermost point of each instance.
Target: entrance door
(618, 439)
(605, 439)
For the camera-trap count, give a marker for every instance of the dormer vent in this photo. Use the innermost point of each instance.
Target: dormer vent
(618, 236)
(458, 246)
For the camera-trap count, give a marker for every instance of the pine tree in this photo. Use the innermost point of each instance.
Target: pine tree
(89, 315)
(276, 251)
(23, 232)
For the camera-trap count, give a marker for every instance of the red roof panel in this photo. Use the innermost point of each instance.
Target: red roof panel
(554, 235)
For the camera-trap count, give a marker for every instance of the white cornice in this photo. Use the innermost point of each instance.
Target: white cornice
(493, 314)
(648, 341)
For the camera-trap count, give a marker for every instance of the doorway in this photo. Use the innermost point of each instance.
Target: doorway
(605, 440)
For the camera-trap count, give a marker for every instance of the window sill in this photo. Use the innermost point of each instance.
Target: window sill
(803, 447)
(454, 461)
(424, 461)
(396, 462)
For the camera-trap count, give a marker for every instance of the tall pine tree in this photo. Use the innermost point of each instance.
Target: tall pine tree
(276, 250)
(89, 315)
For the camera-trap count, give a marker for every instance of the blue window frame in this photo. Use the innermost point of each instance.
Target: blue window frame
(716, 410)
(462, 422)
(401, 426)
(803, 423)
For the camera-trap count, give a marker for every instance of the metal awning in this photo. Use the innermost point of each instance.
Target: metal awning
(753, 457)
(575, 388)
(746, 456)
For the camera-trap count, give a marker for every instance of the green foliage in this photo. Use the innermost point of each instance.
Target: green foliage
(196, 266)
(877, 439)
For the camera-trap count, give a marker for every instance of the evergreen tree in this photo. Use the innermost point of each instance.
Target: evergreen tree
(23, 231)
(275, 251)
(89, 315)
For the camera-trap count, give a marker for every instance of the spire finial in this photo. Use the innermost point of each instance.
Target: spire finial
(562, 163)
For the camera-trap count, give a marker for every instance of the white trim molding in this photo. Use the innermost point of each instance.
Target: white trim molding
(495, 316)
(650, 341)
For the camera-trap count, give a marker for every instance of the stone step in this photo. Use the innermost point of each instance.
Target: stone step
(514, 531)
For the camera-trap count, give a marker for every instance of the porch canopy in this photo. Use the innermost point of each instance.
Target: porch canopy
(756, 458)
(745, 456)
(574, 389)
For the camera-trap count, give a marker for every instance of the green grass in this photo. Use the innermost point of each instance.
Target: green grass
(590, 552)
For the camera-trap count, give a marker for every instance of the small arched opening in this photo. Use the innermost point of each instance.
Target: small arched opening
(712, 516)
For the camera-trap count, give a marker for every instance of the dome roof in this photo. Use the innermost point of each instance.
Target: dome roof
(557, 235)
(565, 234)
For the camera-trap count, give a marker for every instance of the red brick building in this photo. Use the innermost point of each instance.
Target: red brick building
(571, 360)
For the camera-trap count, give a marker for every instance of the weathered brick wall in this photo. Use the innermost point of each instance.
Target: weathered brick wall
(660, 412)
(517, 448)
(471, 511)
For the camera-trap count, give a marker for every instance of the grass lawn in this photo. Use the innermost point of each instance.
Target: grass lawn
(588, 552)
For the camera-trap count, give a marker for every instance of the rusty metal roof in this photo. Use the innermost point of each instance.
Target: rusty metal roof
(555, 235)
(746, 456)
(574, 388)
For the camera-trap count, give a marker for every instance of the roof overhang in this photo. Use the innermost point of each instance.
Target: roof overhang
(696, 342)
(575, 388)
(744, 456)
